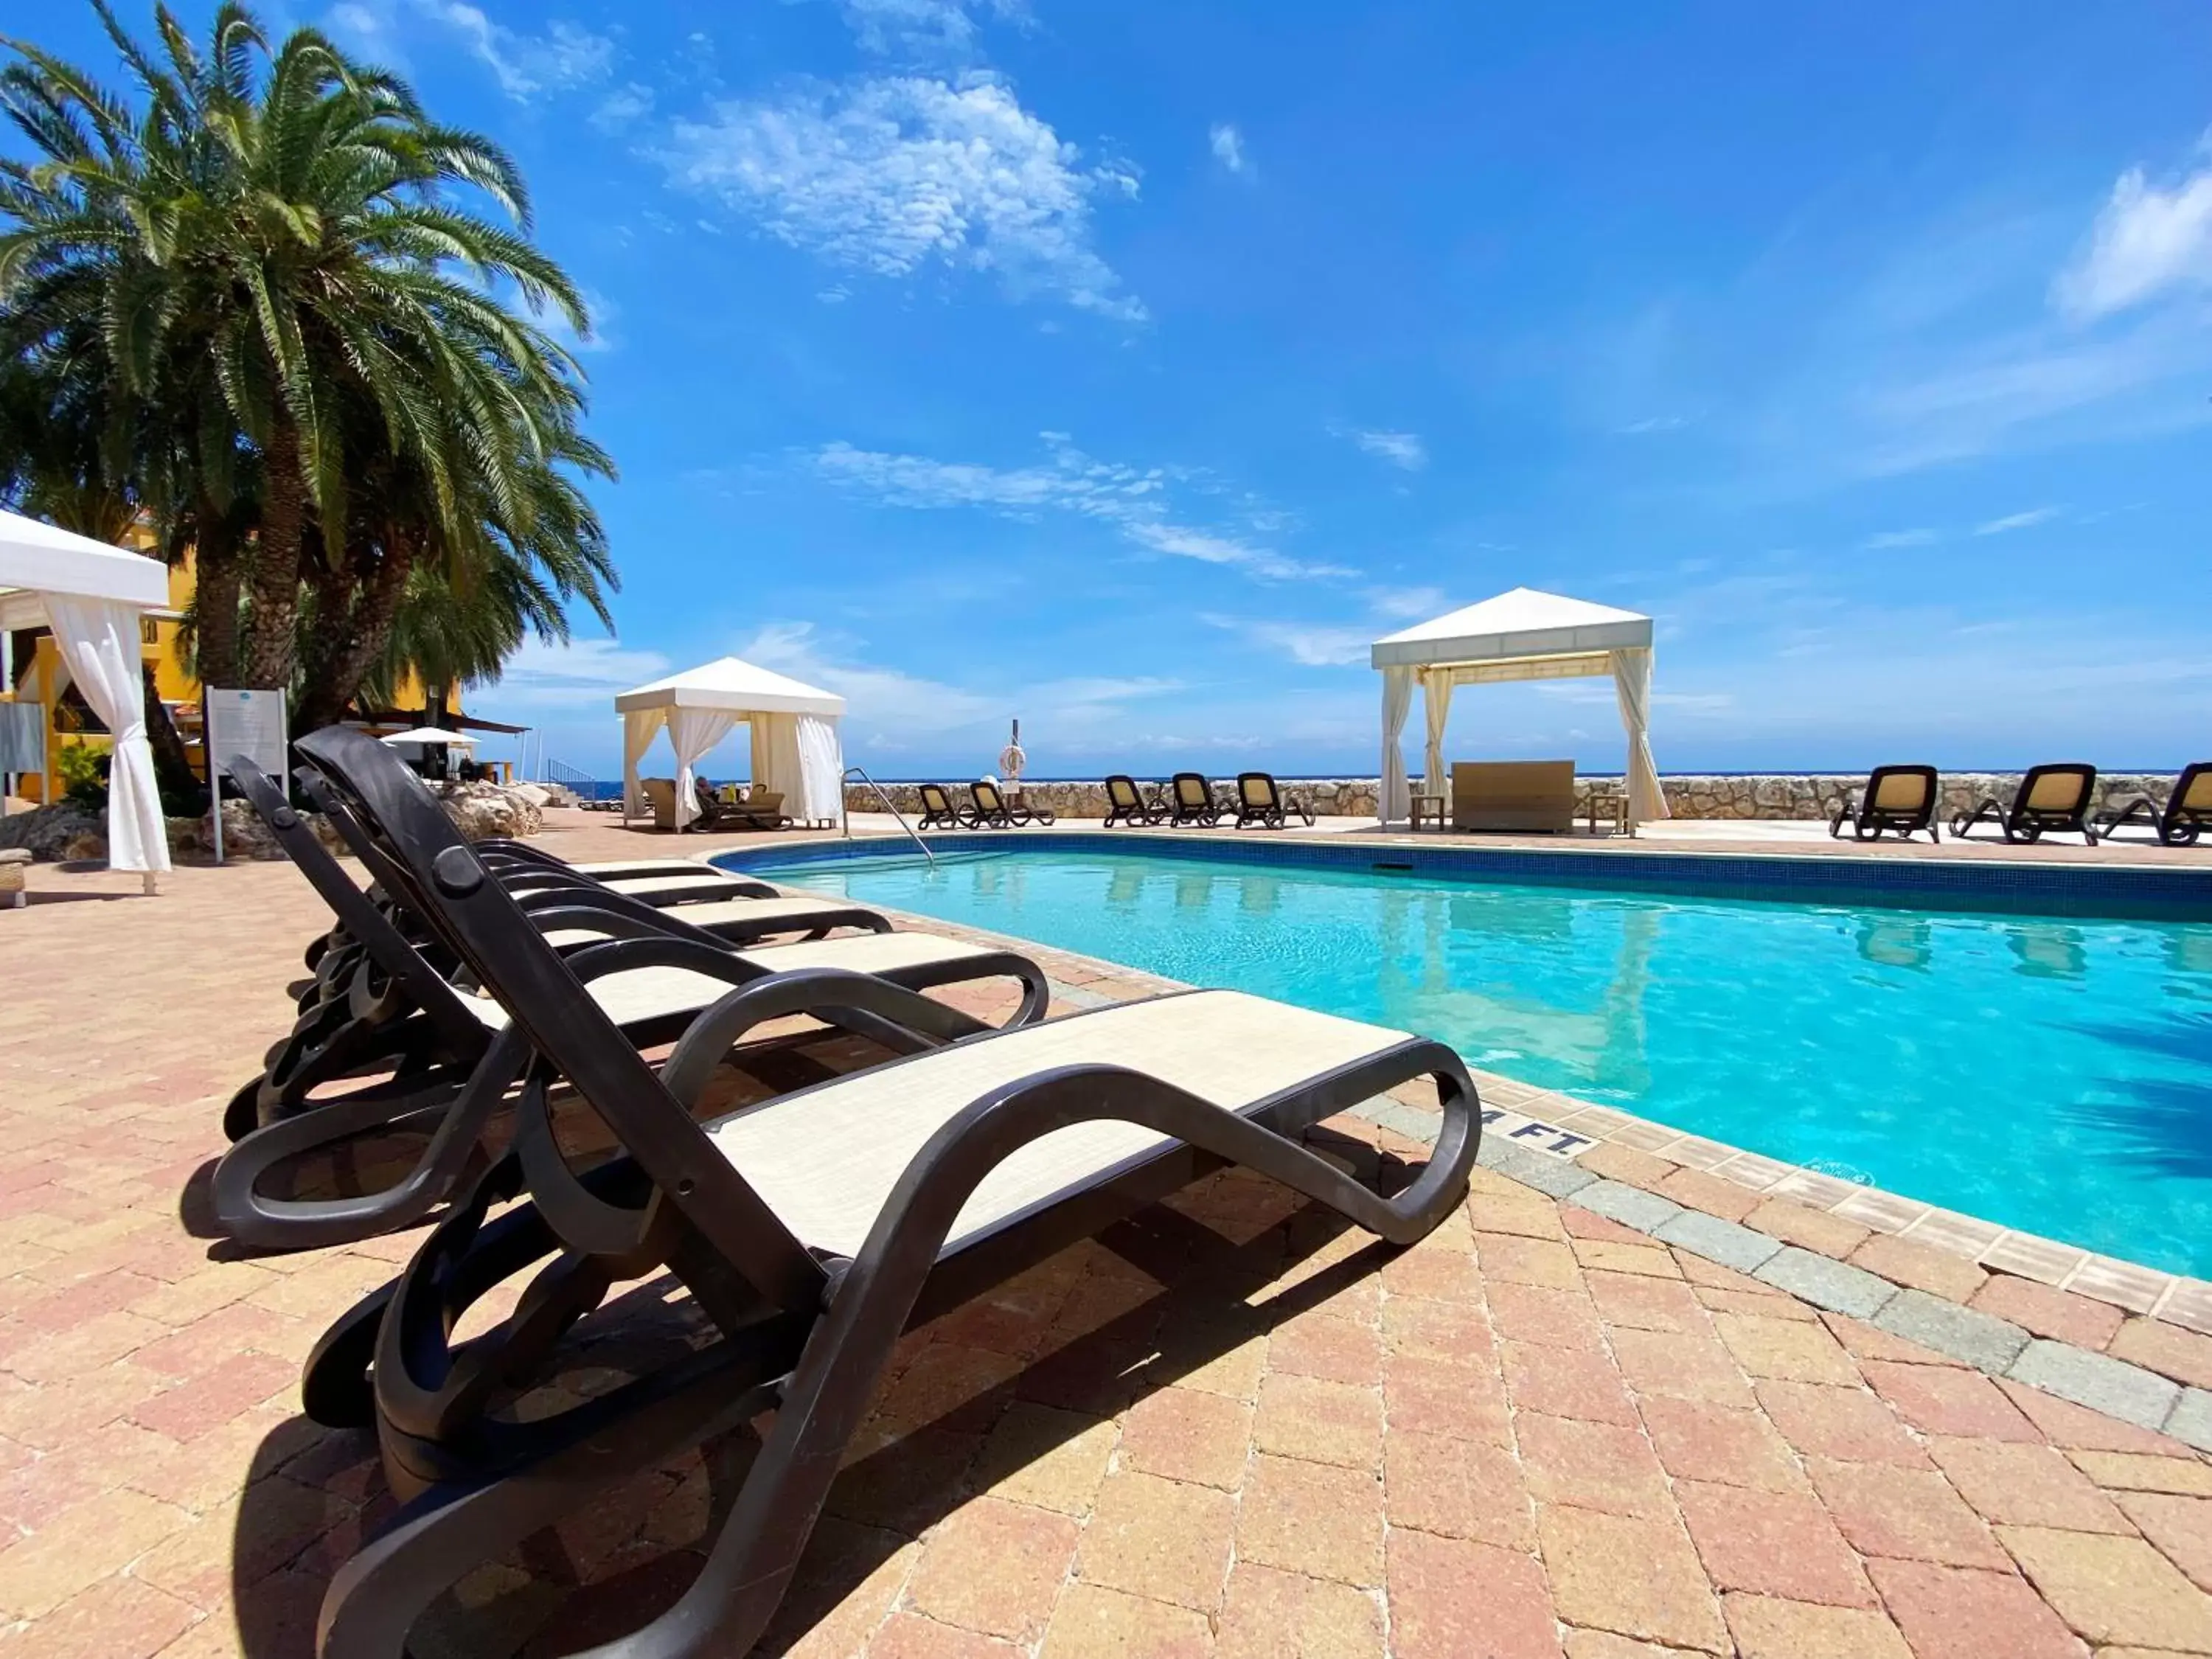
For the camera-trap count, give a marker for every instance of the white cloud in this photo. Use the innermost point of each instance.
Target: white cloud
(602, 311)
(2146, 240)
(623, 107)
(1407, 603)
(1132, 501)
(2017, 521)
(1652, 424)
(566, 56)
(1310, 645)
(887, 173)
(933, 26)
(1228, 145)
(580, 672)
(1889, 538)
(1400, 449)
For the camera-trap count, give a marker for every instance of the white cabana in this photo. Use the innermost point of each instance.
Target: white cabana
(90, 595)
(1522, 635)
(796, 748)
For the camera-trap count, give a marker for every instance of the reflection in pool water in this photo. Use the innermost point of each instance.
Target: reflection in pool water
(2054, 1075)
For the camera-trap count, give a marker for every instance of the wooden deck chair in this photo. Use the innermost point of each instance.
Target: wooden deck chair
(2187, 810)
(993, 811)
(428, 1052)
(811, 1231)
(939, 812)
(2050, 798)
(1192, 800)
(1260, 800)
(1127, 803)
(1900, 799)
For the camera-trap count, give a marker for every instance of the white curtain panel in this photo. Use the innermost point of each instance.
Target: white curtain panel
(99, 640)
(775, 758)
(1631, 687)
(1435, 702)
(821, 770)
(640, 727)
(691, 733)
(1396, 805)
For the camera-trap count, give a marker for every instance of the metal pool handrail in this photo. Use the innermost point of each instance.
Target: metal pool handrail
(913, 835)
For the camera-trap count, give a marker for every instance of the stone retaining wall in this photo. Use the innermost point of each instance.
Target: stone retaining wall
(1689, 794)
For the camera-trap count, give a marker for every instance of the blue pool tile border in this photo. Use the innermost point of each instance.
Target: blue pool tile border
(2082, 891)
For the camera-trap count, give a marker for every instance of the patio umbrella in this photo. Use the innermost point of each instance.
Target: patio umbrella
(432, 734)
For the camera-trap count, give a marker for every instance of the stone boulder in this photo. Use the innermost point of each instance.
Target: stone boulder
(52, 834)
(485, 811)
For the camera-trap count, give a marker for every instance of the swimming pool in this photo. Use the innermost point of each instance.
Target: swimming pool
(2050, 1072)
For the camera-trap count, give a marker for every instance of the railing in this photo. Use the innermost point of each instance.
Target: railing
(913, 835)
(570, 778)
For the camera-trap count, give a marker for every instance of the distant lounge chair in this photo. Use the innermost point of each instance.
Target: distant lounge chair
(1127, 803)
(2050, 798)
(1899, 799)
(1260, 800)
(2187, 810)
(938, 811)
(757, 809)
(443, 1059)
(1192, 800)
(813, 1229)
(991, 810)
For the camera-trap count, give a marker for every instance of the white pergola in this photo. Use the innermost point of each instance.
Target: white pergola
(796, 748)
(1522, 635)
(91, 596)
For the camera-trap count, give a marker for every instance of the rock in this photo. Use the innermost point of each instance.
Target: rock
(484, 811)
(532, 792)
(49, 833)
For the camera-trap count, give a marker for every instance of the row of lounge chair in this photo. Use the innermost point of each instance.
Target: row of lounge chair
(1191, 799)
(811, 1230)
(2050, 800)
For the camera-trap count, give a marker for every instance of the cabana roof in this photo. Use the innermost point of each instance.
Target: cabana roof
(735, 686)
(1522, 624)
(37, 558)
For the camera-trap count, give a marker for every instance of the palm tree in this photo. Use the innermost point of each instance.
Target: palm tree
(270, 252)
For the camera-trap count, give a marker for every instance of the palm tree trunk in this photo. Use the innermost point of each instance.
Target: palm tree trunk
(268, 654)
(334, 680)
(218, 571)
(172, 763)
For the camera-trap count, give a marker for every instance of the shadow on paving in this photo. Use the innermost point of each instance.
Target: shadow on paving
(1169, 1295)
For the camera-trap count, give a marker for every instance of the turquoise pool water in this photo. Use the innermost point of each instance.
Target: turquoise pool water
(2054, 1075)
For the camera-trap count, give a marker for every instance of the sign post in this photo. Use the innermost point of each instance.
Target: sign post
(248, 723)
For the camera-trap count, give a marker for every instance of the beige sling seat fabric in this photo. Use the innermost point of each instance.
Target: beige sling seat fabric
(642, 993)
(1902, 792)
(673, 882)
(824, 1160)
(639, 867)
(711, 915)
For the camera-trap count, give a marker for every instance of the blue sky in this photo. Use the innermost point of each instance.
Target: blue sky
(1129, 368)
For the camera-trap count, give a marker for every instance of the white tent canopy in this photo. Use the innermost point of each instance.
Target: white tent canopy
(90, 595)
(1522, 635)
(430, 735)
(796, 749)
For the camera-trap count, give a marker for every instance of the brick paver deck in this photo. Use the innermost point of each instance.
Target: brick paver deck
(1226, 1427)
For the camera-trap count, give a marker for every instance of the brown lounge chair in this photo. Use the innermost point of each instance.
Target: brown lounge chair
(938, 811)
(2187, 810)
(1125, 803)
(993, 811)
(811, 1231)
(1192, 800)
(1899, 799)
(1260, 800)
(2050, 798)
(419, 1048)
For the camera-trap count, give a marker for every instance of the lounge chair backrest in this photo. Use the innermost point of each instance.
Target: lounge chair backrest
(660, 796)
(549, 1006)
(1901, 789)
(2063, 789)
(1192, 790)
(1257, 791)
(1122, 791)
(764, 800)
(2193, 788)
(987, 797)
(933, 799)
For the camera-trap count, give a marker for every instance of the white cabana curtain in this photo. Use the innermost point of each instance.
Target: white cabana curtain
(691, 733)
(639, 727)
(821, 770)
(1435, 702)
(1631, 687)
(1396, 805)
(98, 642)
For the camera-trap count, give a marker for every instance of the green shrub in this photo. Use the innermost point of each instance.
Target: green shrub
(84, 777)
